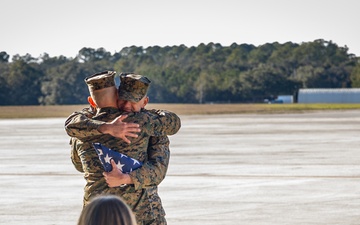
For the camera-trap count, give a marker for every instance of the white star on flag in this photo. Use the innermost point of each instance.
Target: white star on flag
(120, 166)
(107, 158)
(135, 162)
(123, 162)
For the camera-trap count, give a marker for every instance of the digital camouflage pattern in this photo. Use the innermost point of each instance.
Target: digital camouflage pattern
(101, 80)
(133, 87)
(79, 124)
(75, 158)
(142, 197)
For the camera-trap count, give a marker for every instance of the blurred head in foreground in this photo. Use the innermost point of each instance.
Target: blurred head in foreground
(107, 210)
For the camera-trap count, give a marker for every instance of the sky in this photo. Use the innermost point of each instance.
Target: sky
(63, 27)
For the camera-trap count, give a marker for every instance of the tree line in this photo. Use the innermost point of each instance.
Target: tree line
(239, 73)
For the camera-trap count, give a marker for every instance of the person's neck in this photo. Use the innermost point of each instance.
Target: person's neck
(109, 105)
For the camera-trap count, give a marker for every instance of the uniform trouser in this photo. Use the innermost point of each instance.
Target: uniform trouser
(158, 221)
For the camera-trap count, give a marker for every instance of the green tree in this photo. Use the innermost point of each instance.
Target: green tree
(4, 57)
(65, 84)
(206, 73)
(4, 92)
(355, 76)
(24, 81)
(265, 81)
(91, 55)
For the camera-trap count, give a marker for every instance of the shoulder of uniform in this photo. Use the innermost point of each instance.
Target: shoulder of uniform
(157, 112)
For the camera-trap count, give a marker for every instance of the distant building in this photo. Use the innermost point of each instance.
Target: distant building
(286, 99)
(281, 99)
(329, 95)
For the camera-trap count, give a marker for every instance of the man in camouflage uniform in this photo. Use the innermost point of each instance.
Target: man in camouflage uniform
(140, 189)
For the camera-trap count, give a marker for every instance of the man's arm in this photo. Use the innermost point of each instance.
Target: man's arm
(153, 171)
(119, 129)
(153, 122)
(157, 122)
(80, 125)
(155, 167)
(75, 159)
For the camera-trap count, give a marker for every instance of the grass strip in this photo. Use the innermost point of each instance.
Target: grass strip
(54, 111)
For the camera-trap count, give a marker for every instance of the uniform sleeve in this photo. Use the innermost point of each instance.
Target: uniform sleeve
(153, 171)
(160, 123)
(80, 124)
(75, 159)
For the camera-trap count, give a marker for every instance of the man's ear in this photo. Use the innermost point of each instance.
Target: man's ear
(91, 102)
(146, 101)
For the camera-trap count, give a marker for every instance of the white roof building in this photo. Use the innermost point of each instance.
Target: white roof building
(329, 95)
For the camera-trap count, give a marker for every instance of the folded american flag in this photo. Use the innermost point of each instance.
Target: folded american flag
(124, 163)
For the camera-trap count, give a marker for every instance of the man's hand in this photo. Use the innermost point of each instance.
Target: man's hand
(115, 177)
(118, 128)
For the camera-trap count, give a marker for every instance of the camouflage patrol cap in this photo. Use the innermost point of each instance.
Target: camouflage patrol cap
(100, 80)
(133, 87)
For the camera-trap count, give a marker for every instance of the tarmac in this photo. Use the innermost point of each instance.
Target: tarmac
(253, 169)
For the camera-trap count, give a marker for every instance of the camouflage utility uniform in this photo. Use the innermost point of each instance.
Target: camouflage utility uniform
(154, 152)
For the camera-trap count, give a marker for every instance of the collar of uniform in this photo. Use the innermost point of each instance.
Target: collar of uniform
(107, 110)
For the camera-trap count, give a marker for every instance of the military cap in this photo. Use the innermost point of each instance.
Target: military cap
(133, 87)
(100, 80)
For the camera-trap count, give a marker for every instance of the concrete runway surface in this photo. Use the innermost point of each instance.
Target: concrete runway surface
(224, 169)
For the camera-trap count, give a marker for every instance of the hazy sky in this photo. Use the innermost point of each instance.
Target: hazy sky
(63, 27)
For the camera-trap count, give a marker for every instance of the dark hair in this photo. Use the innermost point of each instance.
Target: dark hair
(105, 210)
